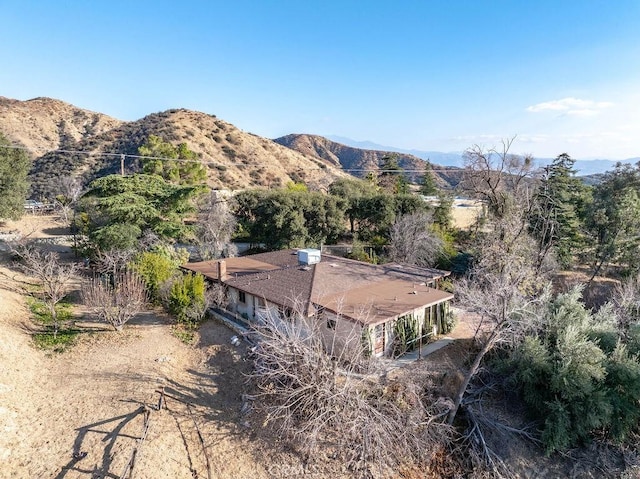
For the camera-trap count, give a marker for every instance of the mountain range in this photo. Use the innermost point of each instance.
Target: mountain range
(66, 141)
(584, 167)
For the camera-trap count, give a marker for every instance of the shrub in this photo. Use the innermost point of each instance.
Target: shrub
(57, 343)
(574, 381)
(51, 339)
(155, 269)
(116, 303)
(187, 298)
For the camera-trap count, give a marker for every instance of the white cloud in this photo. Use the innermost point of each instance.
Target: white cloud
(571, 106)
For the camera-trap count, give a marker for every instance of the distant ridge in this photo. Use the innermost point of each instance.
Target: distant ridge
(360, 161)
(234, 159)
(584, 167)
(436, 157)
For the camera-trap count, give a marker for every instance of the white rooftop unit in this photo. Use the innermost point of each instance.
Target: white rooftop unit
(308, 256)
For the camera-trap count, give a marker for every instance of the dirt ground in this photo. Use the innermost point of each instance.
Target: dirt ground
(79, 414)
(465, 213)
(92, 399)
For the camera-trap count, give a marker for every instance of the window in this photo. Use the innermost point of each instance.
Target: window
(331, 324)
(242, 297)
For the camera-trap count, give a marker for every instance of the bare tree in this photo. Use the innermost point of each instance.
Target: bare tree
(216, 225)
(116, 303)
(626, 303)
(113, 261)
(506, 311)
(66, 201)
(498, 177)
(322, 401)
(53, 275)
(412, 241)
(216, 295)
(504, 288)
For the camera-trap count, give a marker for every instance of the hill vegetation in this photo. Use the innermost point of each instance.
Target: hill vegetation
(360, 161)
(569, 361)
(93, 142)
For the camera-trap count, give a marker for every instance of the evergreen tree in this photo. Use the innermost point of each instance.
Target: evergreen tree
(14, 167)
(572, 382)
(121, 208)
(428, 186)
(185, 170)
(391, 177)
(443, 212)
(555, 219)
(613, 220)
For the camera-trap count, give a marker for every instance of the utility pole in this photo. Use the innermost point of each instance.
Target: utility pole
(122, 165)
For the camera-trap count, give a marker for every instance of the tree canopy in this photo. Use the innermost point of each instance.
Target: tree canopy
(392, 178)
(613, 219)
(285, 218)
(14, 167)
(558, 203)
(121, 208)
(185, 169)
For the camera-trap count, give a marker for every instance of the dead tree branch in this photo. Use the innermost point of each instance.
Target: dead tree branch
(116, 303)
(317, 400)
(53, 276)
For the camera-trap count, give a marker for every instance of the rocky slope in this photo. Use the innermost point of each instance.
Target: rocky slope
(360, 161)
(45, 124)
(93, 142)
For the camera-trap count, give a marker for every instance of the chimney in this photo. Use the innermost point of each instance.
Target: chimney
(222, 270)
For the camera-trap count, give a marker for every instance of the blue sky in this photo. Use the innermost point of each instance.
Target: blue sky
(562, 75)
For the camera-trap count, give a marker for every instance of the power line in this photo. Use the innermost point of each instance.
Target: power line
(122, 156)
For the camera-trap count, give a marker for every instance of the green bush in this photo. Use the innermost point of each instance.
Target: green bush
(57, 343)
(187, 298)
(576, 378)
(50, 340)
(156, 269)
(41, 312)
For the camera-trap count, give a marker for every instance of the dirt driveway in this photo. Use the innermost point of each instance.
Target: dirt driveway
(92, 400)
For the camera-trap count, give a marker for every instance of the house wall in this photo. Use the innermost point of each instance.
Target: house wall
(431, 317)
(418, 316)
(243, 308)
(345, 333)
(253, 307)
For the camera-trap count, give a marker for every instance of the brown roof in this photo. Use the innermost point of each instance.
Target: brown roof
(289, 286)
(235, 267)
(383, 300)
(367, 293)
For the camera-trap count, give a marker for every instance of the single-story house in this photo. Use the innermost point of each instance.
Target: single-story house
(343, 296)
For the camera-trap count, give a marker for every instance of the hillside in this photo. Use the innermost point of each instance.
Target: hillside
(44, 124)
(360, 161)
(235, 159)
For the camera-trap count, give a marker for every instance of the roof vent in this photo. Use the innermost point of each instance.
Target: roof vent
(308, 256)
